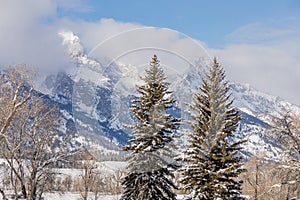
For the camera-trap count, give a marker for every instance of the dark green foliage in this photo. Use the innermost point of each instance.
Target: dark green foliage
(151, 156)
(150, 185)
(211, 162)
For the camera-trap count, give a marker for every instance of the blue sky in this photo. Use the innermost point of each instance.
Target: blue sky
(208, 21)
(257, 41)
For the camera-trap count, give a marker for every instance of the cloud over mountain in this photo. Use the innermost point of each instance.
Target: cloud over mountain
(264, 54)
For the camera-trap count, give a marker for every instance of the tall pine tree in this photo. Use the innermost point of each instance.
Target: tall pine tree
(211, 162)
(151, 160)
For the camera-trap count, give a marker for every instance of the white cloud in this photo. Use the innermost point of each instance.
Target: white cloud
(136, 44)
(265, 56)
(266, 32)
(25, 38)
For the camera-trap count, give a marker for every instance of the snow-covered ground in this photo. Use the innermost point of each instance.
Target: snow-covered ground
(75, 196)
(106, 167)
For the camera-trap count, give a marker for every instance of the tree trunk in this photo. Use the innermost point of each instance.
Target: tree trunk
(33, 193)
(256, 181)
(33, 185)
(3, 195)
(24, 192)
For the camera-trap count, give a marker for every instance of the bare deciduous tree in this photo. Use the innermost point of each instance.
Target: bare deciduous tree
(29, 128)
(253, 176)
(286, 129)
(277, 180)
(259, 179)
(91, 180)
(15, 93)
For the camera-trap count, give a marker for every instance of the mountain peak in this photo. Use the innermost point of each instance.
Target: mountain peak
(72, 41)
(102, 94)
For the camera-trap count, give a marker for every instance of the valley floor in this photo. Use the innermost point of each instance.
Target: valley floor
(76, 196)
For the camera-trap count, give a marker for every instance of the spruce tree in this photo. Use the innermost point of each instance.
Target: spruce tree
(211, 161)
(150, 161)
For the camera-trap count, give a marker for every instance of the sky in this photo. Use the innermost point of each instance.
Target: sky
(257, 42)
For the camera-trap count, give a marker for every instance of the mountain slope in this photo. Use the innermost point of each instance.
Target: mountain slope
(96, 101)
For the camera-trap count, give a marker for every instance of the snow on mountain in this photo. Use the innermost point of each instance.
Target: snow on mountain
(88, 68)
(100, 98)
(259, 104)
(73, 42)
(256, 108)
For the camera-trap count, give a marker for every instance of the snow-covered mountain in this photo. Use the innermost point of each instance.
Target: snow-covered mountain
(96, 101)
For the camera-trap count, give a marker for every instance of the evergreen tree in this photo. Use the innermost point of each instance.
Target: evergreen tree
(151, 160)
(211, 161)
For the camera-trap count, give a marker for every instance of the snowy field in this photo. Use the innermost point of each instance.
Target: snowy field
(72, 196)
(76, 196)
(107, 167)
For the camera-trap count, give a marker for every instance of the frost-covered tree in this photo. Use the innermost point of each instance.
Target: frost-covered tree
(211, 162)
(285, 129)
(29, 134)
(151, 160)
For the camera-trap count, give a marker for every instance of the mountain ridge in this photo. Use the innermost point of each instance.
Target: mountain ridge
(100, 99)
